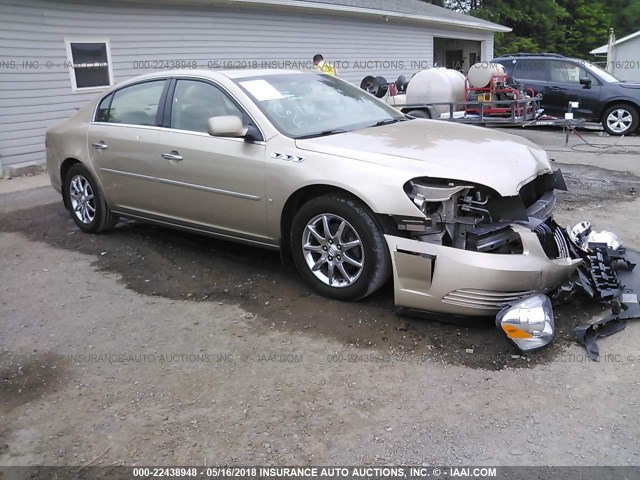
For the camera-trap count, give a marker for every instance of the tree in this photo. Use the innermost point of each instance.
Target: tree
(586, 28)
(626, 14)
(535, 24)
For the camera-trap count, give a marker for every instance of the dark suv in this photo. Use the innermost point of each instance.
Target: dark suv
(602, 97)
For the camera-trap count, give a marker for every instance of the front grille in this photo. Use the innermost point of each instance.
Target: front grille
(485, 299)
(553, 239)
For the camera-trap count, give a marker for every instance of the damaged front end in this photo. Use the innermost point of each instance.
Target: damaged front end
(474, 252)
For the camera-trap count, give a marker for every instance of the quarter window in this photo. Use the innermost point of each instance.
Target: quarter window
(89, 64)
(195, 102)
(134, 105)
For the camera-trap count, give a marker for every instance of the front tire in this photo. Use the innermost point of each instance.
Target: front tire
(85, 201)
(338, 249)
(620, 119)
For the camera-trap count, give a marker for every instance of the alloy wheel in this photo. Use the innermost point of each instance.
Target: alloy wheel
(82, 199)
(619, 120)
(332, 250)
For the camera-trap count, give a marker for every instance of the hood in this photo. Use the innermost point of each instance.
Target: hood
(440, 149)
(631, 85)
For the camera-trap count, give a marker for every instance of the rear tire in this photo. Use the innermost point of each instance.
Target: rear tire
(620, 119)
(85, 201)
(338, 249)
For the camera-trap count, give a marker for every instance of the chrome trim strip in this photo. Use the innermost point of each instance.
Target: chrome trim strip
(166, 181)
(181, 226)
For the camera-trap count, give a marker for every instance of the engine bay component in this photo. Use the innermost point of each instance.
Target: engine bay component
(529, 323)
(474, 217)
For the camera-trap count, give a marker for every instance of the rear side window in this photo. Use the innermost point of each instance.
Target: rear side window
(530, 69)
(134, 105)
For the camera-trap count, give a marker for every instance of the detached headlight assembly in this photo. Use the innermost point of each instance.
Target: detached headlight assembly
(529, 324)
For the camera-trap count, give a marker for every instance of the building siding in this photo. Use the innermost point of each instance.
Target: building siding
(626, 64)
(34, 98)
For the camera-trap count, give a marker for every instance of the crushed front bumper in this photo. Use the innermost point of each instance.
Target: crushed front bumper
(452, 281)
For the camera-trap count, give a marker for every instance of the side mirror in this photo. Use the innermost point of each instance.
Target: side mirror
(586, 81)
(226, 126)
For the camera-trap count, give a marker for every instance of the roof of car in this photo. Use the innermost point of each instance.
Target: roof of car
(518, 55)
(213, 74)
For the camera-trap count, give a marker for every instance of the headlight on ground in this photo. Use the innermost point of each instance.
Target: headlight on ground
(529, 323)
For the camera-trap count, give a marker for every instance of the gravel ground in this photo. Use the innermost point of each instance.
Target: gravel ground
(148, 346)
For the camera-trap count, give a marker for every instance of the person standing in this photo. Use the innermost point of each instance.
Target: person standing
(321, 66)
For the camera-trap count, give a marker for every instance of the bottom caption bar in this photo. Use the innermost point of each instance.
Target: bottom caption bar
(320, 472)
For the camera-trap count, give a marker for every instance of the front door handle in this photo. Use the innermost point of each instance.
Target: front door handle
(554, 88)
(172, 156)
(100, 145)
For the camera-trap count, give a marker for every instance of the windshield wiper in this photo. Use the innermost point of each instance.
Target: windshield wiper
(324, 133)
(388, 121)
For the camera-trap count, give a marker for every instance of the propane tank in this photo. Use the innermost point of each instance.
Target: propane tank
(436, 85)
(480, 74)
(457, 81)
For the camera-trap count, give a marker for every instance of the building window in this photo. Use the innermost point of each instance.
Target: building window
(89, 63)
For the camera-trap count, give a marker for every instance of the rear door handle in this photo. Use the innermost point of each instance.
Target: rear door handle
(172, 156)
(554, 88)
(100, 145)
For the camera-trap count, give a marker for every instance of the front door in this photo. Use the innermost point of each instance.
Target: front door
(564, 86)
(213, 182)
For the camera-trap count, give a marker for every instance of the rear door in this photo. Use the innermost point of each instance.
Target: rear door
(122, 143)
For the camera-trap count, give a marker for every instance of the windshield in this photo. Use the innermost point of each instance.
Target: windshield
(603, 74)
(313, 104)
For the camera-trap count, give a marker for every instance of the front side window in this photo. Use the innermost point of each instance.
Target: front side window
(133, 105)
(569, 72)
(194, 102)
(311, 104)
(89, 64)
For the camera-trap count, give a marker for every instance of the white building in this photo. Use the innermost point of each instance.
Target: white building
(56, 54)
(625, 62)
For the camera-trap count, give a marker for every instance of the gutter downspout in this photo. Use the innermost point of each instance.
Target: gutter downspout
(611, 52)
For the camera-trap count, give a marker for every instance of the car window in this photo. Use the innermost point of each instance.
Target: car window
(102, 114)
(530, 69)
(307, 104)
(569, 72)
(194, 102)
(134, 105)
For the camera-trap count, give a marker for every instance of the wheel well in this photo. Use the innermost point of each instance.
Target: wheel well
(618, 102)
(64, 168)
(293, 203)
(66, 165)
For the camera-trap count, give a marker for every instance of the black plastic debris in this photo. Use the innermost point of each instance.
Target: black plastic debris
(605, 275)
(622, 309)
(586, 335)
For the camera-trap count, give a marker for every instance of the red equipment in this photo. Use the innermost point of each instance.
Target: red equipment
(497, 98)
